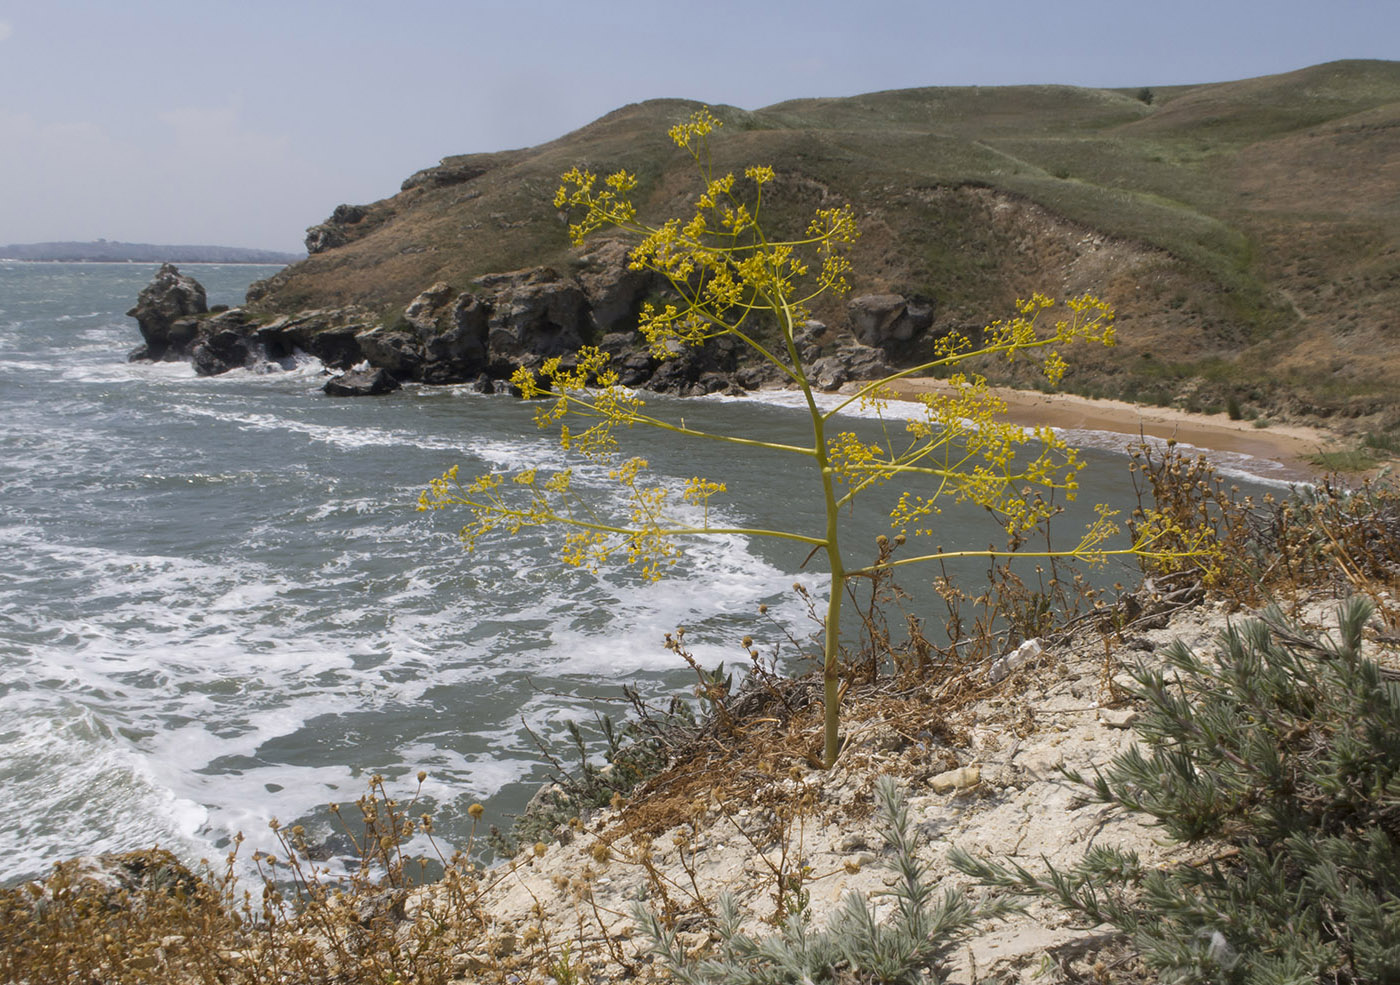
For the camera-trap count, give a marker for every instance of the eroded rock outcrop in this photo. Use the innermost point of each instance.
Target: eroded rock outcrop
(846, 363)
(109, 881)
(329, 334)
(361, 383)
(613, 289)
(223, 342)
(443, 175)
(534, 314)
(338, 230)
(450, 330)
(502, 322)
(883, 321)
(165, 312)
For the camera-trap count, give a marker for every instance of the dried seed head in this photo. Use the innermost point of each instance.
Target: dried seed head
(476, 810)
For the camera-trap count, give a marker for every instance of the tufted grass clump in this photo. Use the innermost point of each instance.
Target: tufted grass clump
(1277, 764)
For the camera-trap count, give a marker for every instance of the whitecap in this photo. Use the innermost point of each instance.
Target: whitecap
(73, 784)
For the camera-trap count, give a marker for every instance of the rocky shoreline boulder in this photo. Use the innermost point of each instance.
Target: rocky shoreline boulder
(165, 312)
(223, 342)
(367, 382)
(881, 321)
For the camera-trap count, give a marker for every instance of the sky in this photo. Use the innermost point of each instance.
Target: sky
(242, 122)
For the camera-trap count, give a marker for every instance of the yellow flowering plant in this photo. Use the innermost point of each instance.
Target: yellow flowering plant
(728, 279)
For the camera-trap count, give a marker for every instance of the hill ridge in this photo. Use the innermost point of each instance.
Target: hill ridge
(1230, 204)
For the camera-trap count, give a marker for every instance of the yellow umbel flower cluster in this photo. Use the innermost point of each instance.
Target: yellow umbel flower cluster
(730, 276)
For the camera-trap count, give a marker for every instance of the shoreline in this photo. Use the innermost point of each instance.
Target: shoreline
(1289, 446)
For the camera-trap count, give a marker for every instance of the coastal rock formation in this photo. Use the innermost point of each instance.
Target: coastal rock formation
(329, 334)
(534, 314)
(109, 881)
(223, 342)
(505, 321)
(884, 320)
(343, 226)
(361, 383)
(164, 312)
(448, 333)
(397, 351)
(614, 290)
(442, 176)
(847, 363)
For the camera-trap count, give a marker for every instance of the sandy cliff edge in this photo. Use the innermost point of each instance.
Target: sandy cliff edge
(987, 780)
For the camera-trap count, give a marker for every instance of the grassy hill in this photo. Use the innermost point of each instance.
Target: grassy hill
(1248, 232)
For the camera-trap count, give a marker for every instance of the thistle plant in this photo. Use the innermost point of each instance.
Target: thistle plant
(731, 278)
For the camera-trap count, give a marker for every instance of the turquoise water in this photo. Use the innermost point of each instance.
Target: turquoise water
(218, 603)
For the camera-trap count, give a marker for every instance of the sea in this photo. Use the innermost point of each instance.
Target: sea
(220, 605)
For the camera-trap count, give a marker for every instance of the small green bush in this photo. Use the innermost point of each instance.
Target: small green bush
(635, 751)
(856, 947)
(1280, 760)
(1382, 441)
(1353, 460)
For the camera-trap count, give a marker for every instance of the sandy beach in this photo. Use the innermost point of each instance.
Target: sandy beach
(1290, 446)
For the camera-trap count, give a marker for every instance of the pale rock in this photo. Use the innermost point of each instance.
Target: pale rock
(1118, 717)
(1014, 660)
(962, 778)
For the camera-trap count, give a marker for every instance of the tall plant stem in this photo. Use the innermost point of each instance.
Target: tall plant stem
(831, 653)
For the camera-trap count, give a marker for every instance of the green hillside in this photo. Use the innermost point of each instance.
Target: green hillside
(1248, 232)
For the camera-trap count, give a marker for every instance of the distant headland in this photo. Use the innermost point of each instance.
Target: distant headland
(109, 251)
